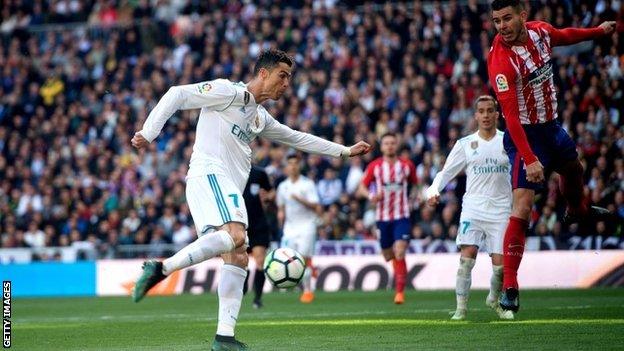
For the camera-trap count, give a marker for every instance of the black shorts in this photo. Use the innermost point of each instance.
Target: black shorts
(258, 237)
(552, 145)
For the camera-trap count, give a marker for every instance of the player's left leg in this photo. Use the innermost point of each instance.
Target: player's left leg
(230, 292)
(493, 245)
(572, 187)
(386, 240)
(402, 230)
(570, 170)
(496, 283)
(258, 253)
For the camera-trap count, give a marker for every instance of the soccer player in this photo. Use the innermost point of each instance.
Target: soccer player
(521, 74)
(297, 209)
(231, 117)
(486, 204)
(258, 189)
(385, 183)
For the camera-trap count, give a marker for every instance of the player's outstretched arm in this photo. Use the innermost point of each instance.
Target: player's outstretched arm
(216, 95)
(310, 143)
(360, 148)
(569, 36)
(455, 163)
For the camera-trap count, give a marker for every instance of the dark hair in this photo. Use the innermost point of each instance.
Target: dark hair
(269, 59)
(388, 134)
(486, 98)
(501, 4)
(292, 155)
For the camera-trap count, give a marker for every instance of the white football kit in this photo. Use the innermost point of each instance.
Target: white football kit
(220, 163)
(486, 205)
(300, 221)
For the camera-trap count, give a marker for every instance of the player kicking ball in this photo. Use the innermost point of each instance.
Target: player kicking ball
(486, 204)
(520, 69)
(231, 118)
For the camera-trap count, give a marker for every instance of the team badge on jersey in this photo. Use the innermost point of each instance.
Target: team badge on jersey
(474, 144)
(204, 88)
(501, 83)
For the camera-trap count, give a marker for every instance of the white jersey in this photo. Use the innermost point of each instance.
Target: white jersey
(488, 186)
(297, 216)
(228, 122)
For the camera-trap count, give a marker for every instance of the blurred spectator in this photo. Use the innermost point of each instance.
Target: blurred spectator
(329, 188)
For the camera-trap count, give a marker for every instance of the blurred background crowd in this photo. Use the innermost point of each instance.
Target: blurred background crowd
(78, 78)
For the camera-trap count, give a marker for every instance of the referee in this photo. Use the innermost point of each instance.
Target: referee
(258, 190)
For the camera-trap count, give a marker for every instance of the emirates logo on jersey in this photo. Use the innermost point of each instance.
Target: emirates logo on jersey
(501, 83)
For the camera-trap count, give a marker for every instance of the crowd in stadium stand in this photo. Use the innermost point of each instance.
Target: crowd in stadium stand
(73, 94)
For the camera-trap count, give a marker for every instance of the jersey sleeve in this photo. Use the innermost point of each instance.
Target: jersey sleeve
(413, 179)
(569, 36)
(280, 196)
(301, 141)
(455, 163)
(369, 175)
(503, 80)
(214, 95)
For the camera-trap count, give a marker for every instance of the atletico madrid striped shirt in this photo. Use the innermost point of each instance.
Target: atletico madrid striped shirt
(522, 77)
(391, 181)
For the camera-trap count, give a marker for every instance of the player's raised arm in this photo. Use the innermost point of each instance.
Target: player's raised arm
(569, 36)
(455, 163)
(309, 143)
(215, 94)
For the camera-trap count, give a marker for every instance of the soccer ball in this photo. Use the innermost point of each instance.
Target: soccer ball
(284, 267)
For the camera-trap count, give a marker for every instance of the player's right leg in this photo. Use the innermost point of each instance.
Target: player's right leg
(463, 279)
(402, 233)
(305, 246)
(386, 241)
(209, 210)
(523, 195)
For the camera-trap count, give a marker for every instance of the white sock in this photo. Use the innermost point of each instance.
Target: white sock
(307, 279)
(205, 247)
(464, 279)
(230, 291)
(496, 283)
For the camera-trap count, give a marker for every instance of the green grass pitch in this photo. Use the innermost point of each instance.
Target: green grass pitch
(548, 320)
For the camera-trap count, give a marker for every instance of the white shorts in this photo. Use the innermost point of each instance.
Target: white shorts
(301, 240)
(484, 234)
(214, 200)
